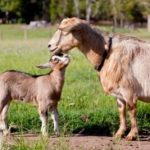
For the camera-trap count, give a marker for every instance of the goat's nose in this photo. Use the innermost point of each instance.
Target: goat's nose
(49, 45)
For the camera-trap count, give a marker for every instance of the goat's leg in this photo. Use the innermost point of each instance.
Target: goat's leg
(122, 114)
(134, 129)
(4, 104)
(44, 119)
(55, 118)
(3, 125)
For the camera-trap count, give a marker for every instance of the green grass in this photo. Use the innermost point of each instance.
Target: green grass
(21, 32)
(137, 32)
(20, 143)
(83, 105)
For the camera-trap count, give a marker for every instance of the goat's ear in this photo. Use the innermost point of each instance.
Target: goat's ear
(70, 24)
(66, 62)
(67, 28)
(44, 66)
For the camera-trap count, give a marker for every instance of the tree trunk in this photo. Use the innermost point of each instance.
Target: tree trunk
(114, 11)
(121, 20)
(45, 9)
(64, 5)
(148, 22)
(88, 10)
(7, 16)
(76, 3)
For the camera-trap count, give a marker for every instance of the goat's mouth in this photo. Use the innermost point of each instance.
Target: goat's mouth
(55, 51)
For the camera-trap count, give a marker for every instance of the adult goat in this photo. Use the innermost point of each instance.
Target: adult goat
(122, 63)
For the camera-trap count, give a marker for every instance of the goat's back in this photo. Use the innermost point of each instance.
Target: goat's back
(17, 85)
(22, 86)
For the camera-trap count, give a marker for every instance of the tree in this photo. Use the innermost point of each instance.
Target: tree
(89, 9)
(45, 9)
(30, 10)
(118, 11)
(77, 9)
(114, 12)
(9, 6)
(146, 11)
(148, 23)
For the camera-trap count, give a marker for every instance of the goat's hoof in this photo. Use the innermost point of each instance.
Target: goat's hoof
(131, 137)
(57, 134)
(118, 136)
(6, 133)
(45, 134)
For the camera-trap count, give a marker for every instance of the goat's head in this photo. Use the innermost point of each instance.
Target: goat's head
(66, 37)
(57, 62)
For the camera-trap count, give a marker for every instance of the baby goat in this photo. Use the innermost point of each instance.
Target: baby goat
(44, 91)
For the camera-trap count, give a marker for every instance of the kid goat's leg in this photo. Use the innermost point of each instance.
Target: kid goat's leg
(55, 118)
(44, 119)
(4, 104)
(3, 124)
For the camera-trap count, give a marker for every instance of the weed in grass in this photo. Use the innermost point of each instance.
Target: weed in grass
(21, 143)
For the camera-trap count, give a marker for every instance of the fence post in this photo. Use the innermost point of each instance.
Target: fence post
(25, 34)
(1, 35)
(148, 22)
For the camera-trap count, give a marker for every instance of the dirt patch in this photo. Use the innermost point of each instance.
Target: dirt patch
(80, 142)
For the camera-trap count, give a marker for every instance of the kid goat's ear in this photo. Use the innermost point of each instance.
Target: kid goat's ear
(44, 66)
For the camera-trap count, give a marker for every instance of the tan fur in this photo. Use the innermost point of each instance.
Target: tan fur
(67, 24)
(126, 70)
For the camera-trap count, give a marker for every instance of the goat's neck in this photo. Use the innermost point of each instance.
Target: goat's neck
(58, 78)
(92, 45)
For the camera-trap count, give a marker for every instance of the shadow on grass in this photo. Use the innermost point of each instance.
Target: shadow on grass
(94, 130)
(144, 135)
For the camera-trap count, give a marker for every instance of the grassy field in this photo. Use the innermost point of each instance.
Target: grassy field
(83, 105)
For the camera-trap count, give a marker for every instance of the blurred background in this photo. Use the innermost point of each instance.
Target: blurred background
(120, 13)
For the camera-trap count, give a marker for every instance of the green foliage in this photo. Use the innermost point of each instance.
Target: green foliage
(10, 5)
(132, 10)
(22, 144)
(145, 4)
(126, 11)
(53, 10)
(101, 10)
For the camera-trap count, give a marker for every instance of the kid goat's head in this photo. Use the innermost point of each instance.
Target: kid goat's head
(56, 62)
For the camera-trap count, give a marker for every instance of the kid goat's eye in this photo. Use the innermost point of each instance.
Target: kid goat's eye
(56, 60)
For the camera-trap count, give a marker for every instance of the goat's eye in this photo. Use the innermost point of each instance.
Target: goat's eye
(55, 59)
